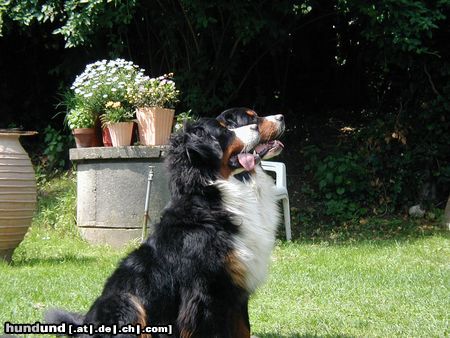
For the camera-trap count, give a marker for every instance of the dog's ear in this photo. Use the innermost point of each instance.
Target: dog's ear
(202, 149)
(237, 117)
(227, 118)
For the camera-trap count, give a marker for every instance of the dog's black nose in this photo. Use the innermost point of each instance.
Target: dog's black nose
(279, 117)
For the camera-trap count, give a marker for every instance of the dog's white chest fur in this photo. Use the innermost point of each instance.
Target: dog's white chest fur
(255, 212)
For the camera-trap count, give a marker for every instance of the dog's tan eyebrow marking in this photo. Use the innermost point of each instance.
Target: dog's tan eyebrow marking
(222, 123)
(250, 113)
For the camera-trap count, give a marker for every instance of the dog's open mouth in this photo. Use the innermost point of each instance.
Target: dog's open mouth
(246, 161)
(269, 149)
(249, 161)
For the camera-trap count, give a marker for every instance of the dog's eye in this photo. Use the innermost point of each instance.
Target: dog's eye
(250, 112)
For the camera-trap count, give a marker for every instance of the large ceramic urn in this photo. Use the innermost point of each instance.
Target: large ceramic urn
(17, 192)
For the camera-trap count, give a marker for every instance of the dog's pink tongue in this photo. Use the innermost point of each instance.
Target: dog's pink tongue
(247, 161)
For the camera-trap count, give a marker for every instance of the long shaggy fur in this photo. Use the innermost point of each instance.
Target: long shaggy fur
(196, 270)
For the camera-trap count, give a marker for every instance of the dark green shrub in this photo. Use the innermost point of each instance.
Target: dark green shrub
(340, 184)
(344, 183)
(56, 150)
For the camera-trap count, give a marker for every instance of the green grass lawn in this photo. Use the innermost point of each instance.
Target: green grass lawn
(357, 287)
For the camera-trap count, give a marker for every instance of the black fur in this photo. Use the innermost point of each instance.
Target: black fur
(179, 274)
(58, 316)
(238, 117)
(195, 157)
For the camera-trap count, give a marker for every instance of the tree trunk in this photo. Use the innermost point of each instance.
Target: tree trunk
(447, 215)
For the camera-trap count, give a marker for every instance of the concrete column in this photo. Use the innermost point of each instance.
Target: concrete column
(111, 187)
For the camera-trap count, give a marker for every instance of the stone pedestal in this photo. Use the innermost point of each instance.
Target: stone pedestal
(111, 188)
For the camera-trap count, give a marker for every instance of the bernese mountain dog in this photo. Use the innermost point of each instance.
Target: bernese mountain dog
(257, 191)
(209, 251)
(259, 213)
(270, 128)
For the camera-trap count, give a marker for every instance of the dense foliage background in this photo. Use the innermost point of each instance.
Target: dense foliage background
(364, 86)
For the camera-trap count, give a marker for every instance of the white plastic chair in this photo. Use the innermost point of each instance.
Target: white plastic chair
(280, 190)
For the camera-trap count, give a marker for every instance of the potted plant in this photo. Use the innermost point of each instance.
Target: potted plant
(82, 122)
(102, 82)
(117, 118)
(155, 99)
(182, 118)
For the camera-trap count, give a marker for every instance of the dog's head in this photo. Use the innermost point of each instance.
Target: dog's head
(270, 128)
(206, 151)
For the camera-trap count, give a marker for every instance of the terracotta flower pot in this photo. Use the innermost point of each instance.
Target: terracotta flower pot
(154, 124)
(121, 133)
(106, 137)
(86, 137)
(17, 192)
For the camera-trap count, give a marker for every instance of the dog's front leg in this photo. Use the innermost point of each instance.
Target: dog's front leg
(202, 315)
